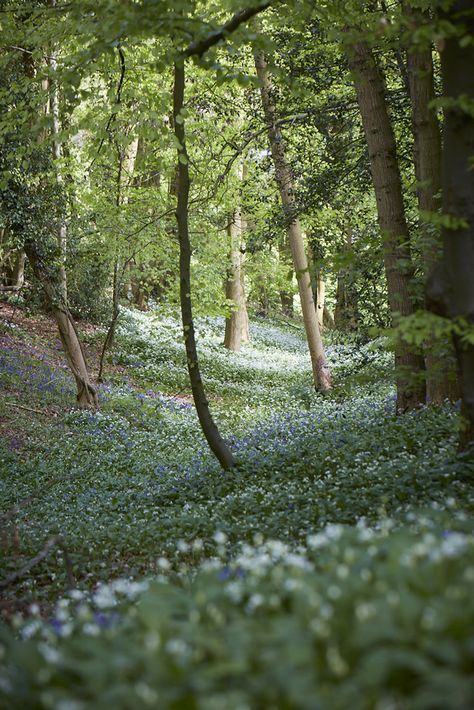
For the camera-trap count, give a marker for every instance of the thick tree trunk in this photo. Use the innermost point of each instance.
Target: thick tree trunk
(18, 271)
(441, 378)
(236, 324)
(380, 139)
(209, 428)
(451, 287)
(321, 376)
(86, 392)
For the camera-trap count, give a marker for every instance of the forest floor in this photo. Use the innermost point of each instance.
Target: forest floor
(335, 506)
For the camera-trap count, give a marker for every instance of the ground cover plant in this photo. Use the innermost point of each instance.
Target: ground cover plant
(236, 355)
(235, 579)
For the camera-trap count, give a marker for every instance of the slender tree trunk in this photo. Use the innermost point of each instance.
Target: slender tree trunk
(57, 152)
(55, 296)
(451, 286)
(345, 313)
(209, 428)
(318, 283)
(236, 324)
(320, 298)
(263, 301)
(380, 139)
(321, 376)
(86, 392)
(110, 335)
(441, 379)
(286, 296)
(126, 165)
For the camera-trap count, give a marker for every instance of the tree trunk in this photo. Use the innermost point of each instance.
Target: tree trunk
(236, 324)
(15, 273)
(320, 298)
(451, 286)
(441, 380)
(55, 295)
(321, 376)
(57, 152)
(263, 301)
(345, 313)
(209, 428)
(86, 392)
(18, 272)
(286, 296)
(380, 139)
(126, 165)
(110, 335)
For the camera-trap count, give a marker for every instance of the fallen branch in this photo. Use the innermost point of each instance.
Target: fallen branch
(52, 542)
(30, 409)
(12, 289)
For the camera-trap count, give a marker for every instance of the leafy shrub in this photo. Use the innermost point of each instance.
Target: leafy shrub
(358, 617)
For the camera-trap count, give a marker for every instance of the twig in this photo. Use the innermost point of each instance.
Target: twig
(30, 409)
(56, 540)
(176, 395)
(12, 289)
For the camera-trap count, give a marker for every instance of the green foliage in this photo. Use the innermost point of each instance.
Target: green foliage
(423, 326)
(137, 477)
(358, 616)
(333, 567)
(224, 618)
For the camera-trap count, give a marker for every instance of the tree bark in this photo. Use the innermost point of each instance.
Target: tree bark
(321, 376)
(237, 323)
(345, 312)
(57, 153)
(370, 90)
(55, 296)
(320, 298)
(209, 428)
(86, 392)
(451, 287)
(15, 273)
(441, 379)
(286, 295)
(126, 165)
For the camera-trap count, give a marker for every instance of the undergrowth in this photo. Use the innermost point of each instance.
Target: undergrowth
(314, 555)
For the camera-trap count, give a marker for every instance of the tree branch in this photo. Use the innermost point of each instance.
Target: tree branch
(199, 47)
(52, 542)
